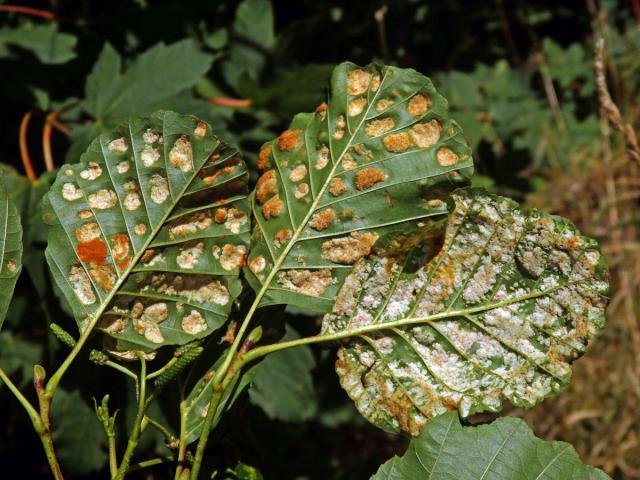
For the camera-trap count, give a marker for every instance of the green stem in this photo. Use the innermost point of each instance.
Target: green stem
(233, 349)
(206, 427)
(137, 426)
(354, 332)
(182, 443)
(54, 381)
(113, 459)
(122, 369)
(219, 379)
(149, 463)
(169, 437)
(47, 444)
(162, 369)
(44, 401)
(40, 423)
(231, 354)
(33, 414)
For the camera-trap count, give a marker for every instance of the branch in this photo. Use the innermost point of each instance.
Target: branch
(137, 426)
(150, 463)
(182, 442)
(231, 102)
(24, 148)
(378, 16)
(169, 438)
(34, 12)
(609, 108)
(206, 427)
(46, 140)
(108, 423)
(33, 414)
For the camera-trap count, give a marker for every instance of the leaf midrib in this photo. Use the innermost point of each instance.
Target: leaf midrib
(443, 315)
(314, 205)
(444, 440)
(5, 227)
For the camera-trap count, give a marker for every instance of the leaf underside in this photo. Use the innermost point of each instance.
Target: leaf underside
(382, 156)
(198, 401)
(10, 250)
(499, 313)
(149, 231)
(503, 450)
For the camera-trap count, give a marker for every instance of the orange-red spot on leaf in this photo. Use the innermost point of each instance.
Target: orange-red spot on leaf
(211, 178)
(289, 140)
(367, 177)
(263, 158)
(220, 216)
(266, 185)
(272, 207)
(120, 246)
(103, 276)
(122, 266)
(93, 251)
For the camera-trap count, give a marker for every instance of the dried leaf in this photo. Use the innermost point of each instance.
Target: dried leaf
(510, 300)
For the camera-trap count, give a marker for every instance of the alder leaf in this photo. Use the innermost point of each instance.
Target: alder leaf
(148, 82)
(497, 313)
(77, 434)
(149, 231)
(380, 157)
(252, 42)
(503, 450)
(198, 401)
(45, 41)
(10, 250)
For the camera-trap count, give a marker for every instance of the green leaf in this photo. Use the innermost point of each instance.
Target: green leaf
(151, 79)
(503, 450)
(101, 85)
(10, 250)
(290, 91)
(198, 401)
(18, 355)
(27, 197)
(379, 158)
(77, 434)
(46, 43)
(240, 472)
(252, 40)
(148, 232)
(497, 313)
(283, 386)
(568, 65)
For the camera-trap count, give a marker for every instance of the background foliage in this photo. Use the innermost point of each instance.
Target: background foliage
(519, 79)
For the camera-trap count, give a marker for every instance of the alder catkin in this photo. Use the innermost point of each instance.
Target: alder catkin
(62, 335)
(187, 355)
